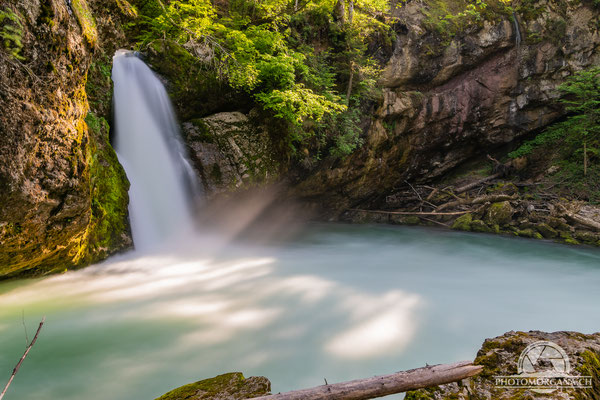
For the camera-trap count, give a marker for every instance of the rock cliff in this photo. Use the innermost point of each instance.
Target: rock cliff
(62, 190)
(453, 96)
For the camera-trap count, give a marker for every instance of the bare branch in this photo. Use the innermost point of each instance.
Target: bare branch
(16, 369)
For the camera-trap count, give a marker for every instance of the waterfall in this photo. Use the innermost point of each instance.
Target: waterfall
(149, 148)
(517, 30)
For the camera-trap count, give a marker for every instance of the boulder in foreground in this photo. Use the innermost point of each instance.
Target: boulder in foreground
(232, 386)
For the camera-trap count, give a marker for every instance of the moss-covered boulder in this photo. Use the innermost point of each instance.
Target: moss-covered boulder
(479, 226)
(500, 356)
(232, 386)
(546, 230)
(463, 223)
(499, 213)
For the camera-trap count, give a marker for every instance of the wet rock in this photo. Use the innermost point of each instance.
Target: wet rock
(500, 357)
(228, 150)
(232, 386)
(463, 223)
(500, 213)
(546, 230)
(480, 226)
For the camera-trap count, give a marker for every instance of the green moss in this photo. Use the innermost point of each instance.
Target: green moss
(546, 231)
(86, 20)
(232, 385)
(126, 8)
(529, 233)
(46, 13)
(463, 223)
(567, 238)
(587, 238)
(99, 85)
(11, 33)
(499, 213)
(589, 367)
(108, 188)
(480, 226)
(147, 8)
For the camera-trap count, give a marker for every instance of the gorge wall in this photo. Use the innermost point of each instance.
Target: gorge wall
(448, 96)
(62, 190)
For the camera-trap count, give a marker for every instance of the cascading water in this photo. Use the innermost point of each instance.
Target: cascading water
(148, 146)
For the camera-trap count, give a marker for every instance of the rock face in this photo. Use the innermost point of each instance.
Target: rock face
(232, 386)
(62, 190)
(447, 99)
(228, 150)
(500, 357)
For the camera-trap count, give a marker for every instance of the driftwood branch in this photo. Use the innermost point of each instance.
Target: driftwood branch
(472, 185)
(408, 213)
(379, 386)
(16, 369)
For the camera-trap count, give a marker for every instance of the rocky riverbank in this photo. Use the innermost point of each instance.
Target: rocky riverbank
(498, 356)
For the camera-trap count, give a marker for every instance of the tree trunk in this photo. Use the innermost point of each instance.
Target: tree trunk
(585, 159)
(340, 11)
(350, 10)
(350, 83)
(379, 386)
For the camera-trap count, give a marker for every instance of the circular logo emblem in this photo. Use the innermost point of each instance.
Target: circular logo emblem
(544, 359)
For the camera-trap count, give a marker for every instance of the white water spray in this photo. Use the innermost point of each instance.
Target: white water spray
(148, 146)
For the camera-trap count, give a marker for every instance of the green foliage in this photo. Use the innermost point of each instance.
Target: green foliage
(108, 190)
(11, 33)
(293, 58)
(86, 20)
(450, 17)
(348, 137)
(581, 97)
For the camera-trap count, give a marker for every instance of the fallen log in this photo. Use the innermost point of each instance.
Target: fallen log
(379, 386)
(590, 223)
(408, 212)
(477, 183)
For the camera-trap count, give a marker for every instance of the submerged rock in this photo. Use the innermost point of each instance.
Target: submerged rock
(500, 357)
(232, 386)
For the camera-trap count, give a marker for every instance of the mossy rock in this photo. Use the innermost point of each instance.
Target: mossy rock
(546, 230)
(529, 233)
(480, 226)
(499, 213)
(587, 238)
(567, 238)
(86, 20)
(499, 357)
(463, 223)
(232, 386)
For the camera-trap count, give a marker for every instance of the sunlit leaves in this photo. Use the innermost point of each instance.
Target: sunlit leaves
(298, 103)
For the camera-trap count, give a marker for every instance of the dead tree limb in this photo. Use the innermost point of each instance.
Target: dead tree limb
(472, 185)
(379, 386)
(16, 369)
(590, 223)
(407, 212)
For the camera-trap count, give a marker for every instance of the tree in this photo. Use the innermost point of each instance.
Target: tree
(582, 100)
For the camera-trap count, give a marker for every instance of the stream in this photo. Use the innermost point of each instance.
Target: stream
(336, 302)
